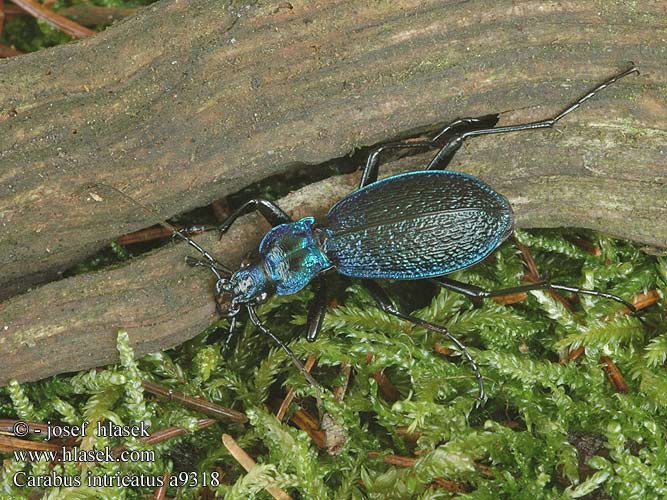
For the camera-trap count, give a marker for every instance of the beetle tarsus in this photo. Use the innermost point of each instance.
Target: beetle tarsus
(317, 309)
(229, 339)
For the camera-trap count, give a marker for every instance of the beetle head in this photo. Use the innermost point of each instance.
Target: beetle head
(248, 285)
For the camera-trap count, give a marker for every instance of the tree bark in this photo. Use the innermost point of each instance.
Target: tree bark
(185, 102)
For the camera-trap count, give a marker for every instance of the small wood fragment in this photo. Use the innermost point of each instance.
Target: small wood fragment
(644, 300)
(11, 10)
(587, 246)
(409, 436)
(165, 435)
(401, 461)
(144, 235)
(7, 426)
(7, 51)
(441, 349)
(306, 422)
(12, 443)
(387, 389)
(576, 353)
(614, 375)
(339, 392)
(248, 464)
(449, 485)
(532, 273)
(171, 432)
(398, 460)
(511, 298)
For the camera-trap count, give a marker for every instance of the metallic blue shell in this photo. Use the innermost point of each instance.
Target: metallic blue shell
(416, 225)
(291, 256)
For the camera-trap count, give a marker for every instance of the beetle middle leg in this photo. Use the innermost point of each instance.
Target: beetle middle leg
(474, 291)
(384, 302)
(370, 173)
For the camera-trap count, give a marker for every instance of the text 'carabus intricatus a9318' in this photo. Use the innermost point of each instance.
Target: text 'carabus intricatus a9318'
(417, 225)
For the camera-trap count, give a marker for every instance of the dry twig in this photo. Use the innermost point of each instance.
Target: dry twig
(248, 464)
(62, 23)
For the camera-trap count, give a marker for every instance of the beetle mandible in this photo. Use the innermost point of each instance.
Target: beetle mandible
(417, 225)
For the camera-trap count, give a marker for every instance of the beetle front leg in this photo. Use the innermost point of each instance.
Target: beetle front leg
(370, 173)
(252, 314)
(384, 302)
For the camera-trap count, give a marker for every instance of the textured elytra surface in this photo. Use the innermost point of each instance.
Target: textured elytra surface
(416, 225)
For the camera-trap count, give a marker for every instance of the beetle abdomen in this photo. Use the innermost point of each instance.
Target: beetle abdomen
(416, 225)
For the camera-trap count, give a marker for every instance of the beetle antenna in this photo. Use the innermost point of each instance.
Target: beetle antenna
(212, 262)
(258, 323)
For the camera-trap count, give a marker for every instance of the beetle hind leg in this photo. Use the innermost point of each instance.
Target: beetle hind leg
(458, 126)
(384, 302)
(444, 156)
(476, 292)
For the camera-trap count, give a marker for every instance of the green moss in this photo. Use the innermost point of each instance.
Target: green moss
(549, 430)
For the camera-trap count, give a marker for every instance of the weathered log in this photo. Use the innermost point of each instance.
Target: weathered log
(237, 94)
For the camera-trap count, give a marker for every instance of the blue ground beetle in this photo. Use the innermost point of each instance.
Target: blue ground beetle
(417, 225)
